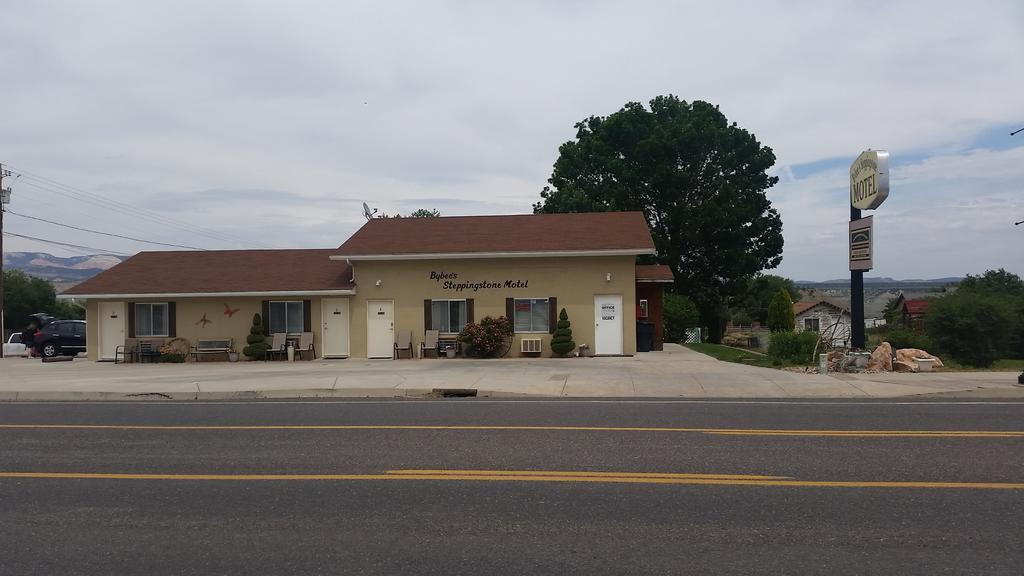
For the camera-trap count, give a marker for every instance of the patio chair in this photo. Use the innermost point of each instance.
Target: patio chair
(306, 345)
(403, 344)
(149, 348)
(429, 343)
(127, 350)
(277, 346)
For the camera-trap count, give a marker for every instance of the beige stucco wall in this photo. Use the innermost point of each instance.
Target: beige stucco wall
(189, 311)
(574, 281)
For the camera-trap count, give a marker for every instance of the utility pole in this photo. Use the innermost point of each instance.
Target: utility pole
(5, 197)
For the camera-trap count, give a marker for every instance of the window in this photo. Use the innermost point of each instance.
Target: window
(286, 317)
(448, 315)
(531, 315)
(642, 309)
(66, 329)
(151, 319)
(812, 324)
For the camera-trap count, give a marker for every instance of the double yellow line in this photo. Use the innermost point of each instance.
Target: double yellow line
(709, 431)
(528, 476)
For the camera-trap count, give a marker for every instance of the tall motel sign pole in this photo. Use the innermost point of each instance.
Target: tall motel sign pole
(869, 187)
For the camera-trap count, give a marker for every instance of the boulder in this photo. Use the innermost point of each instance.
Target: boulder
(901, 366)
(881, 358)
(908, 355)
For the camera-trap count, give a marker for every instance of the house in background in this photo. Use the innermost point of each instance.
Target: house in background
(912, 311)
(828, 318)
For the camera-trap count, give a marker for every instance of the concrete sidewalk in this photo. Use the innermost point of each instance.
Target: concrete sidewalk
(676, 372)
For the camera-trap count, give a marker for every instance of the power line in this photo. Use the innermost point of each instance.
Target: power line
(65, 244)
(13, 213)
(59, 188)
(130, 211)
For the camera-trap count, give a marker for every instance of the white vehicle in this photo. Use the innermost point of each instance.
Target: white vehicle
(14, 347)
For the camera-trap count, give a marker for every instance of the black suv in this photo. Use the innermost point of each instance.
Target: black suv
(61, 337)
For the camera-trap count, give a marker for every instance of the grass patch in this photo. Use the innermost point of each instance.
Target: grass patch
(736, 355)
(1004, 365)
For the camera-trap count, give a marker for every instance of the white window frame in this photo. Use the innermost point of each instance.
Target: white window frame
(546, 329)
(448, 316)
(644, 307)
(302, 315)
(149, 307)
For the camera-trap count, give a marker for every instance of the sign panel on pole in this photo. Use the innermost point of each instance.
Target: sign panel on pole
(869, 180)
(862, 244)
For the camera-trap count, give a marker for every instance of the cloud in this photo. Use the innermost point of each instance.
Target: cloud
(462, 105)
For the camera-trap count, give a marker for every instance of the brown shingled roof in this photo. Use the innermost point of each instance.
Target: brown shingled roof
(221, 271)
(501, 234)
(654, 273)
(805, 305)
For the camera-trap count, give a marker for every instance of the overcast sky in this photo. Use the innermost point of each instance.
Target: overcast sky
(267, 124)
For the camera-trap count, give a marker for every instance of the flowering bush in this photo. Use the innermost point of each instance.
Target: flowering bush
(488, 338)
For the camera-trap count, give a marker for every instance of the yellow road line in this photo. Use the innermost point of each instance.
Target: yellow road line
(524, 477)
(711, 431)
(581, 474)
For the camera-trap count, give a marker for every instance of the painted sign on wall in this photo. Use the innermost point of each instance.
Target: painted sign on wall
(450, 281)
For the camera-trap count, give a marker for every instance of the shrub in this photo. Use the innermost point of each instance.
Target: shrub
(795, 347)
(907, 338)
(561, 342)
(486, 339)
(972, 328)
(780, 313)
(256, 340)
(172, 357)
(679, 314)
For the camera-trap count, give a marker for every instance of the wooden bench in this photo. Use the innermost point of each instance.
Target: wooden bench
(211, 346)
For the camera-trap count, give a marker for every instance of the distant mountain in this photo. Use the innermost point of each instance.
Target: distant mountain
(61, 271)
(884, 281)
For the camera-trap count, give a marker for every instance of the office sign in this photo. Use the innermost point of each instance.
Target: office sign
(862, 244)
(869, 180)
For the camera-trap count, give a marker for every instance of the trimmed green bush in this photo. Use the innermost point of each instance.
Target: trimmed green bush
(256, 340)
(679, 314)
(780, 313)
(793, 347)
(561, 342)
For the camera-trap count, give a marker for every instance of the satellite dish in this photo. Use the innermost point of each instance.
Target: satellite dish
(367, 212)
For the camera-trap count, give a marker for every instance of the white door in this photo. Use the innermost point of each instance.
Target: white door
(608, 324)
(111, 328)
(335, 322)
(380, 329)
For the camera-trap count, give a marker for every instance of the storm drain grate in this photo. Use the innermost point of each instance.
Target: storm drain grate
(454, 392)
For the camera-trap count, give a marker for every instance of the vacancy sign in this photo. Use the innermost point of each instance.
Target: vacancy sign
(862, 240)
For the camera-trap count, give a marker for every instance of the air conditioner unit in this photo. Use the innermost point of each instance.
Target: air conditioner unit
(529, 345)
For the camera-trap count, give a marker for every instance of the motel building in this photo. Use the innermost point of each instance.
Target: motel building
(395, 275)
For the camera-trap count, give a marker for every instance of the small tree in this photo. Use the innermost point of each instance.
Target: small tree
(679, 314)
(561, 342)
(256, 340)
(780, 313)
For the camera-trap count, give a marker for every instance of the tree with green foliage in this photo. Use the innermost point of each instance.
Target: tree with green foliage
(24, 295)
(256, 340)
(679, 314)
(561, 341)
(973, 328)
(780, 313)
(982, 321)
(699, 180)
(753, 302)
(424, 213)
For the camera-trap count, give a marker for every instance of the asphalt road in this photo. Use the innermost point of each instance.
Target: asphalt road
(512, 487)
